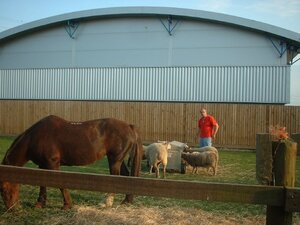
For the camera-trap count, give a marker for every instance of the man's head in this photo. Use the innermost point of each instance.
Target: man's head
(203, 112)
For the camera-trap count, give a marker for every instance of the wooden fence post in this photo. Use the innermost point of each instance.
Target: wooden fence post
(284, 167)
(296, 138)
(264, 159)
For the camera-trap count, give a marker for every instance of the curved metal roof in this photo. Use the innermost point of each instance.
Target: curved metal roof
(292, 38)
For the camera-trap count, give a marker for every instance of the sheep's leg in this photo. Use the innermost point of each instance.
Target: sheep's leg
(151, 167)
(164, 168)
(109, 201)
(207, 169)
(196, 169)
(214, 170)
(216, 167)
(156, 167)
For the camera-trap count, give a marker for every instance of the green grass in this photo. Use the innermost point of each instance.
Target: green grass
(234, 167)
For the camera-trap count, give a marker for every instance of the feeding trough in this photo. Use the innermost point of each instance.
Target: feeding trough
(175, 163)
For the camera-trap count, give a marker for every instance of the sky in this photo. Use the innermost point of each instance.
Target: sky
(281, 13)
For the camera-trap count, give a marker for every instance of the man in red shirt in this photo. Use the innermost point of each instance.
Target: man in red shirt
(208, 128)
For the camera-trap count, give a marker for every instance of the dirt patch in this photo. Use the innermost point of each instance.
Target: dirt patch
(129, 215)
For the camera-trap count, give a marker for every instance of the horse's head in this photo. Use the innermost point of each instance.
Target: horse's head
(9, 193)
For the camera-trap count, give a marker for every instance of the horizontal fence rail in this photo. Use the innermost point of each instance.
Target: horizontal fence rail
(250, 194)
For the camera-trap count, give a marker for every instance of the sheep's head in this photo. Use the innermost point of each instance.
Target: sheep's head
(168, 146)
(186, 147)
(184, 155)
(165, 143)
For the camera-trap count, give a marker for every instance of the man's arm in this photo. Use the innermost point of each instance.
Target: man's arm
(215, 130)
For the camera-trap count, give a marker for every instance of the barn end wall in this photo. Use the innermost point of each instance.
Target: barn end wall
(239, 123)
(135, 57)
(154, 67)
(141, 42)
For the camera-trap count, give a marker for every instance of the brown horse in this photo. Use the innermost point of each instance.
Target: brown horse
(53, 142)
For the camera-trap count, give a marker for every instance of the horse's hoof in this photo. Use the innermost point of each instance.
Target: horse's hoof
(126, 202)
(103, 206)
(11, 209)
(66, 207)
(39, 205)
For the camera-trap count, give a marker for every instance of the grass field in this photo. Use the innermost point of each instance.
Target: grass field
(234, 167)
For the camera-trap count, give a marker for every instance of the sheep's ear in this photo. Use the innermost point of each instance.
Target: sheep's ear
(162, 142)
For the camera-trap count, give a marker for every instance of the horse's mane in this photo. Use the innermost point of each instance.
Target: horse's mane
(25, 133)
(11, 146)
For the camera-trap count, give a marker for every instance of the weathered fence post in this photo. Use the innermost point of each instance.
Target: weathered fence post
(276, 165)
(296, 138)
(264, 159)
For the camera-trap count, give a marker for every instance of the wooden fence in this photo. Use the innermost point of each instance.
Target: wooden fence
(275, 196)
(239, 123)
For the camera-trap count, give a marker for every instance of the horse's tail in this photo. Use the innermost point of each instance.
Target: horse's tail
(137, 153)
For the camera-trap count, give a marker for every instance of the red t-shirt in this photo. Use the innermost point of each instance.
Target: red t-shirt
(206, 125)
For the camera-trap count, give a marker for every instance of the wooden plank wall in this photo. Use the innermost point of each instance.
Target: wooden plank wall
(239, 123)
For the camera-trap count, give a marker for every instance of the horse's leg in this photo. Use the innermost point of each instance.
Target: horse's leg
(125, 172)
(67, 198)
(41, 201)
(65, 193)
(117, 169)
(114, 168)
(136, 153)
(54, 164)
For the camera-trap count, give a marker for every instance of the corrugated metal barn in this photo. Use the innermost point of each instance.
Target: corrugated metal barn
(154, 67)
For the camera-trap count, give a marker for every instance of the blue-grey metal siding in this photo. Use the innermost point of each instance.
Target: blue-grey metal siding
(257, 84)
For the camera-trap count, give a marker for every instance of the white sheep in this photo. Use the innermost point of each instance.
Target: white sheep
(203, 149)
(156, 154)
(206, 159)
(179, 146)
